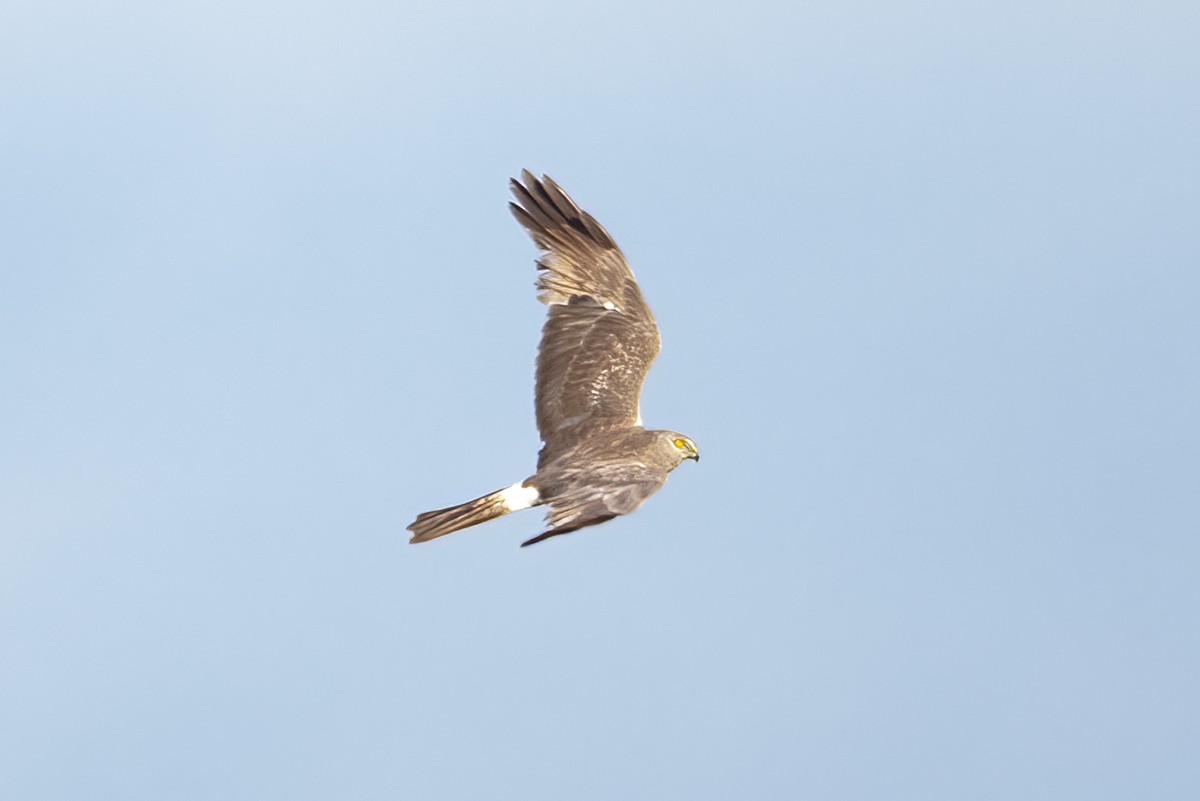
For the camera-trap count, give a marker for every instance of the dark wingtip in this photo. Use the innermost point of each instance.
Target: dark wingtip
(538, 538)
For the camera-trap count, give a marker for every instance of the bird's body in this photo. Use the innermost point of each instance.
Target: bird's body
(598, 343)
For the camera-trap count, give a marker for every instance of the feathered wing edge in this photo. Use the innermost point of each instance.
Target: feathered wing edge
(546, 210)
(567, 529)
(579, 257)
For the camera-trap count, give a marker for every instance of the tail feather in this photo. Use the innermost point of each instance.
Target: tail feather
(438, 523)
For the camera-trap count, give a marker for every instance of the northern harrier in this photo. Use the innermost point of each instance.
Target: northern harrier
(599, 340)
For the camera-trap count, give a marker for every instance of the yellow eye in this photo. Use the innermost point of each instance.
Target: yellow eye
(681, 445)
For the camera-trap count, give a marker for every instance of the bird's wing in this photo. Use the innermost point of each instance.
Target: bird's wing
(600, 337)
(587, 506)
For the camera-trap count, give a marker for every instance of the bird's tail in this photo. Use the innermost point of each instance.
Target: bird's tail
(431, 525)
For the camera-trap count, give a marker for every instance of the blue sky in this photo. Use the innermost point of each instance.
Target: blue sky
(927, 276)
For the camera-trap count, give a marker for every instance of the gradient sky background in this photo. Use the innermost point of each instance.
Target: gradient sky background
(927, 275)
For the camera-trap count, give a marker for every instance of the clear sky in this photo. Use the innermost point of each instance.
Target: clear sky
(927, 275)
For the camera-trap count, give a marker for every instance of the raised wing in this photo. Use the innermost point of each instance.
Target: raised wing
(600, 338)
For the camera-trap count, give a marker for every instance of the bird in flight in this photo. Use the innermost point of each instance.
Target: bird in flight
(599, 340)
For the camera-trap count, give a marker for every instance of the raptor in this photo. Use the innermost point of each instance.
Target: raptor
(599, 340)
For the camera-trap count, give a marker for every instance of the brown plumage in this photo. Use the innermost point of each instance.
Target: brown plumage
(598, 343)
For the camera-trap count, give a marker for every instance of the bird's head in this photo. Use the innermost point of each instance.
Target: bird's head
(680, 446)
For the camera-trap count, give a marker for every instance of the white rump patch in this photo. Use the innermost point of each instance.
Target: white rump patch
(518, 497)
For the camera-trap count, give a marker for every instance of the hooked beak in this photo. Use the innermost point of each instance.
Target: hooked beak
(695, 457)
